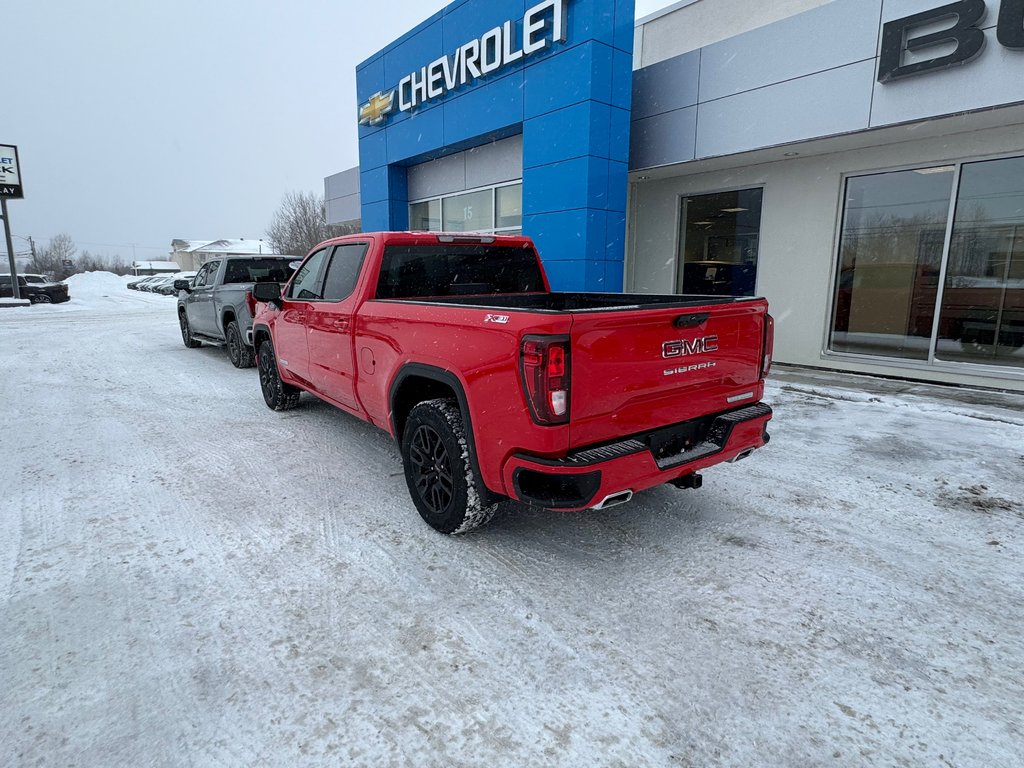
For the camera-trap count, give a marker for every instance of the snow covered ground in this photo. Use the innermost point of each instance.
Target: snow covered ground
(187, 578)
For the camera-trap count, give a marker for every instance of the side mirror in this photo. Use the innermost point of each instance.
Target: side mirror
(267, 292)
(183, 285)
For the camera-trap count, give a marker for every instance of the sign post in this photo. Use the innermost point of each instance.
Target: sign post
(10, 188)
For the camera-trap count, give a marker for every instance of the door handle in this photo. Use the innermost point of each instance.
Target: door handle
(341, 324)
(691, 321)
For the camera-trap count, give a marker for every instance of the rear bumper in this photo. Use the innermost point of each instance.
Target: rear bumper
(586, 478)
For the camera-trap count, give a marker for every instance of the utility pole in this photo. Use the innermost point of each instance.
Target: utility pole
(15, 288)
(32, 247)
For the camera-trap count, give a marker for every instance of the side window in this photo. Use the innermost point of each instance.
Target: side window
(306, 285)
(343, 271)
(200, 279)
(205, 276)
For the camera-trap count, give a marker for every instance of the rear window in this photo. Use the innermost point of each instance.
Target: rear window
(258, 271)
(418, 271)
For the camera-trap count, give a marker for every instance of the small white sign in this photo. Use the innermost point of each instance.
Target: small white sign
(10, 176)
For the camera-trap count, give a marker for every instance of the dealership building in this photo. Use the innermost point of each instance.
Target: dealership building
(858, 162)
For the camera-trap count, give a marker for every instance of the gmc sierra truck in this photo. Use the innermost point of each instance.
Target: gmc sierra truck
(216, 304)
(495, 387)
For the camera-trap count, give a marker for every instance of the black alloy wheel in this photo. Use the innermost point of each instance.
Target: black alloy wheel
(431, 469)
(277, 395)
(186, 331)
(240, 355)
(438, 461)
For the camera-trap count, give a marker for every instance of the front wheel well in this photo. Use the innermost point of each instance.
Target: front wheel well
(259, 335)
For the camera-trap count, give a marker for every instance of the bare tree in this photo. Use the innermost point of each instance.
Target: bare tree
(300, 223)
(50, 258)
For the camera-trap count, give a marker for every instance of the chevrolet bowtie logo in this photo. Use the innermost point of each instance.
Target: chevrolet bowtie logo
(376, 110)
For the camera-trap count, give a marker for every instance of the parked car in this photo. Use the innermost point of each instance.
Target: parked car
(156, 285)
(494, 386)
(45, 293)
(136, 285)
(216, 305)
(148, 285)
(167, 288)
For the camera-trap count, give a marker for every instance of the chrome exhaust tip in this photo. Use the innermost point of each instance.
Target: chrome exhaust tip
(614, 499)
(742, 456)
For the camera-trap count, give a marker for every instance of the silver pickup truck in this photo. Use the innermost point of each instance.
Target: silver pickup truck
(216, 305)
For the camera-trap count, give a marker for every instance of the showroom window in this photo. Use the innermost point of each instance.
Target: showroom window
(494, 210)
(981, 316)
(931, 265)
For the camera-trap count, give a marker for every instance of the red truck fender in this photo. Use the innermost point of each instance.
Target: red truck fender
(415, 383)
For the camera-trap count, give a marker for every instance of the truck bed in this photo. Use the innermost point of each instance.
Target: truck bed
(577, 302)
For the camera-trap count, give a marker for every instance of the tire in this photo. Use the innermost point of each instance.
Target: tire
(186, 331)
(435, 453)
(41, 298)
(278, 395)
(240, 354)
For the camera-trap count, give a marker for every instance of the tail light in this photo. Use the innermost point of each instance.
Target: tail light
(768, 347)
(250, 302)
(545, 366)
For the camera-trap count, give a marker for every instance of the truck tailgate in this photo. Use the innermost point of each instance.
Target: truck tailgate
(640, 369)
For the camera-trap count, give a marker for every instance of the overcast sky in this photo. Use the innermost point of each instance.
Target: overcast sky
(139, 122)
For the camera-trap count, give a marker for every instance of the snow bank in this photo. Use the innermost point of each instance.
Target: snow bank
(93, 283)
(100, 292)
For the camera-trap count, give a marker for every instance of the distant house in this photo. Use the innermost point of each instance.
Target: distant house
(154, 267)
(192, 254)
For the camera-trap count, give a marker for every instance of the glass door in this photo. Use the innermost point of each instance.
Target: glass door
(719, 243)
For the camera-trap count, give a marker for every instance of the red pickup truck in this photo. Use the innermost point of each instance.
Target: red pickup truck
(496, 387)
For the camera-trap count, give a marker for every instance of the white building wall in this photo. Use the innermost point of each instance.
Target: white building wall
(690, 25)
(799, 230)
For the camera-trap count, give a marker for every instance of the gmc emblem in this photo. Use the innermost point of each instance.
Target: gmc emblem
(684, 348)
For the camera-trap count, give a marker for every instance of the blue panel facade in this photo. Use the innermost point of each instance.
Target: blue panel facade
(570, 101)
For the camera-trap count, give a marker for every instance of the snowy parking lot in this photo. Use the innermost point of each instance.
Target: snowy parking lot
(187, 578)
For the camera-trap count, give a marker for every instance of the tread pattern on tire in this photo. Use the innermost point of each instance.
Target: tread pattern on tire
(189, 341)
(477, 513)
(246, 354)
(285, 396)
